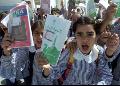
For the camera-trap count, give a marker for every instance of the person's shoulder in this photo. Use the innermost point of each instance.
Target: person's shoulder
(101, 54)
(101, 49)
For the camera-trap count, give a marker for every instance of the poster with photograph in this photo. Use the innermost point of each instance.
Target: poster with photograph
(45, 4)
(18, 24)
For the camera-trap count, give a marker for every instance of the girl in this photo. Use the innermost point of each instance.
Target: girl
(16, 64)
(83, 65)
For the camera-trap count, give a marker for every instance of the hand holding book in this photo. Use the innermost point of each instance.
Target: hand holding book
(42, 63)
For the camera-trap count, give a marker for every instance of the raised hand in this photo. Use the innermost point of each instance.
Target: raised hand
(43, 63)
(111, 10)
(112, 44)
(108, 17)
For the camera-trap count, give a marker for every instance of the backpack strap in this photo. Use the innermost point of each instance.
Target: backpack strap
(68, 68)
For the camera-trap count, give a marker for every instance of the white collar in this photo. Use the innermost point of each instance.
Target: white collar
(78, 55)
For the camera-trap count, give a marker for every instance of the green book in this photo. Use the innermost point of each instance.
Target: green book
(55, 34)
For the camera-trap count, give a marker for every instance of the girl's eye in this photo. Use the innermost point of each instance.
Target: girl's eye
(89, 34)
(79, 34)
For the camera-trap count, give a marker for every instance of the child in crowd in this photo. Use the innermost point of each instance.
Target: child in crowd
(83, 65)
(16, 64)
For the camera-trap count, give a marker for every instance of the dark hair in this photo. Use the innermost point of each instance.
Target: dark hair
(96, 1)
(1, 31)
(28, 2)
(37, 24)
(2, 15)
(97, 26)
(55, 10)
(78, 10)
(84, 20)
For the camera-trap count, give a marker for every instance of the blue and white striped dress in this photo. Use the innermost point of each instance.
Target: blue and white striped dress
(82, 73)
(15, 66)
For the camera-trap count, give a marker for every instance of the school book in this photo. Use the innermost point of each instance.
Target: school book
(54, 36)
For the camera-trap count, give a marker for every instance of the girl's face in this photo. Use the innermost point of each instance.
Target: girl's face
(37, 37)
(104, 36)
(85, 37)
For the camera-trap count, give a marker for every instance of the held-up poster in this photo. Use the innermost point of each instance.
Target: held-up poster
(91, 8)
(118, 8)
(104, 3)
(45, 4)
(19, 27)
(54, 36)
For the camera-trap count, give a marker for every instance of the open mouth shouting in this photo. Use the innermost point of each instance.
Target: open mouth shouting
(85, 48)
